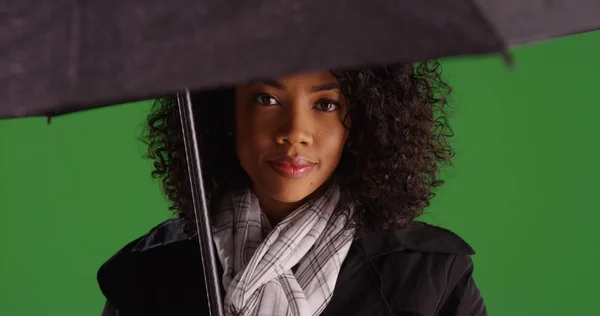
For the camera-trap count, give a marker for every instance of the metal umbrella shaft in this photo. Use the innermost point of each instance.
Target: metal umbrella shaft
(203, 226)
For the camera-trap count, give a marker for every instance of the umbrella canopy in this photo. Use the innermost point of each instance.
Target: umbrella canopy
(520, 22)
(64, 56)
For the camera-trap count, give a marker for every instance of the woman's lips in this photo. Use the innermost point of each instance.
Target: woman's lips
(292, 168)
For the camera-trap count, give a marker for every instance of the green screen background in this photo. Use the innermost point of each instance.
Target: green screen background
(523, 190)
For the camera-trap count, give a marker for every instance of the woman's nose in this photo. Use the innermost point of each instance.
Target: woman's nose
(295, 127)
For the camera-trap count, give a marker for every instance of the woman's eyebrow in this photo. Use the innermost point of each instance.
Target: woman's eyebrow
(326, 86)
(318, 88)
(272, 83)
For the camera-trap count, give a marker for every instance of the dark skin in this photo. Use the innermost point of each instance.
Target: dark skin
(296, 115)
(390, 159)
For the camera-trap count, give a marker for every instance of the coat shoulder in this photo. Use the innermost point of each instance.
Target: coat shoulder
(421, 269)
(426, 237)
(161, 264)
(436, 256)
(417, 237)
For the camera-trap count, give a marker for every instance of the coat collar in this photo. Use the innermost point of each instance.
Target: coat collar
(169, 238)
(417, 236)
(164, 234)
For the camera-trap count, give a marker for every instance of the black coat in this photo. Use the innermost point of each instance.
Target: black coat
(421, 270)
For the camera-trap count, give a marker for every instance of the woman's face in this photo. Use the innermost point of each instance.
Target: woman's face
(289, 134)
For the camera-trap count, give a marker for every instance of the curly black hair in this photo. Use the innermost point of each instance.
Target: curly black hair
(397, 144)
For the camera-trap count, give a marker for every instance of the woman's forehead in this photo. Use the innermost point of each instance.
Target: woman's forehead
(312, 76)
(314, 81)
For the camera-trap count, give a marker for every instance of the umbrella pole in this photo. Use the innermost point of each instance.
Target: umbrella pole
(203, 226)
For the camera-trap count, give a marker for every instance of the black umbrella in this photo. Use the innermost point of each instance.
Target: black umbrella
(69, 55)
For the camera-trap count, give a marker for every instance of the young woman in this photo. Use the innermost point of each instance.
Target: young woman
(314, 182)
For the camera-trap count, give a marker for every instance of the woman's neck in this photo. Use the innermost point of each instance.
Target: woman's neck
(276, 210)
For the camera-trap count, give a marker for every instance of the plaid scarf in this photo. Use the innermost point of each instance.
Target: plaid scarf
(257, 260)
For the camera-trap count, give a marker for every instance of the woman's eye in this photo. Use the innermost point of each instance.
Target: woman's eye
(265, 99)
(328, 106)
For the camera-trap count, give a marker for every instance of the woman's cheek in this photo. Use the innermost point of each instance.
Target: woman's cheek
(333, 142)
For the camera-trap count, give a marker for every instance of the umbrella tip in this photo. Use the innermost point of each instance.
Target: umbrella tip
(508, 59)
(48, 119)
